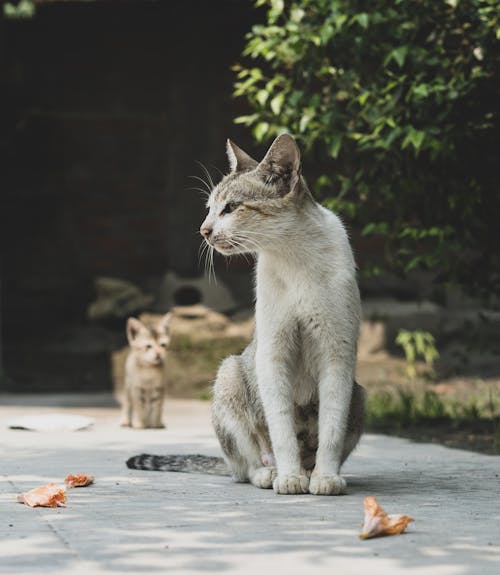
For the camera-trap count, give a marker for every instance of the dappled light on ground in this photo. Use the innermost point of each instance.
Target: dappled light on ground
(183, 523)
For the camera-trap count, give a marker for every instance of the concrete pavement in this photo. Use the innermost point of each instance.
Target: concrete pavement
(146, 522)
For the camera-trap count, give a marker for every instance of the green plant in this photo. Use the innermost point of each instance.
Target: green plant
(417, 344)
(395, 105)
(432, 406)
(18, 10)
(407, 407)
(422, 414)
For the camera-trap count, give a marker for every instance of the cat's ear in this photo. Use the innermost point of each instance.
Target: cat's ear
(164, 324)
(281, 165)
(238, 159)
(134, 327)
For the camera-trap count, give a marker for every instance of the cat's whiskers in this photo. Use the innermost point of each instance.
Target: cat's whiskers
(207, 173)
(255, 233)
(249, 245)
(202, 251)
(212, 267)
(207, 261)
(237, 244)
(217, 169)
(205, 194)
(247, 239)
(207, 250)
(205, 183)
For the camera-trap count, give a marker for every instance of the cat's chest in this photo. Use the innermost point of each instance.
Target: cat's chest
(147, 380)
(146, 377)
(295, 291)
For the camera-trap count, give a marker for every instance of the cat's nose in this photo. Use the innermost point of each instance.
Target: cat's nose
(206, 231)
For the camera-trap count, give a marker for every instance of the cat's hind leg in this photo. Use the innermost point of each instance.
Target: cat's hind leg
(355, 423)
(239, 426)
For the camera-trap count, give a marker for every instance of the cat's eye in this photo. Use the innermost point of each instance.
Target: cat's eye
(229, 207)
(148, 346)
(163, 344)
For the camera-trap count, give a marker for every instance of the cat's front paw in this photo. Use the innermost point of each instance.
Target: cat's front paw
(327, 484)
(291, 484)
(263, 477)
(139, 425)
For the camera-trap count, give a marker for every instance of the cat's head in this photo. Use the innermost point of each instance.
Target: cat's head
(149, 342)
(255, 206)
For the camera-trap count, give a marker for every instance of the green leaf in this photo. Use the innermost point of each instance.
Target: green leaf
(375, 228)
(413, 263)
(326, 33)
(362, 98)
(322, 182)
(421, 90)
(260, 130)
(415, 138)
(247, 120)
(335, 144)
(398, 55)
(339, 20)
(262, 96)
(278, 5)
(276, 103)
(295, 98)
(305, 119)
(296, 14)
(20, 10)
(362, 19)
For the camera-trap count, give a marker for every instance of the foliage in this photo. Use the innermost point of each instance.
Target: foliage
(22, 9)
(397, 103)
(422, 414)
(417, 402)
(407, 408)
(417, 344)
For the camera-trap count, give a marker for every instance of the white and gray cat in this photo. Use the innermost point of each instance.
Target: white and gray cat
(287, 411)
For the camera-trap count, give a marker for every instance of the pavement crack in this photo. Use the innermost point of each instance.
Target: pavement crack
(62, 539)
(38, 510)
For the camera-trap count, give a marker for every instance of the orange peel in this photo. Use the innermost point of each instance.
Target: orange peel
(79, 480)
(49, 495)
(377, 522)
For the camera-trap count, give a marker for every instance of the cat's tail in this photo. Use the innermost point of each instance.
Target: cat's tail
(180, 463)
